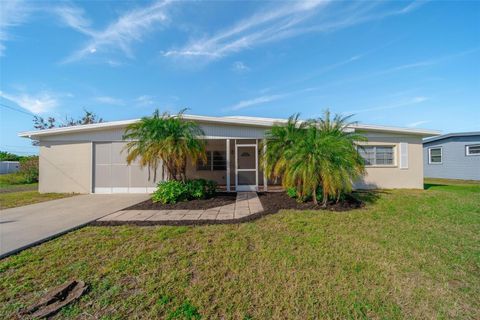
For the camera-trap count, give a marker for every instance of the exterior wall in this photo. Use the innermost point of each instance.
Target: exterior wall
(392, 177)
(65, 167)
(455, 163)
(66, 160)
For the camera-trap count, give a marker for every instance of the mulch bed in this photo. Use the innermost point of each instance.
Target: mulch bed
(220, 199)
(272, 202)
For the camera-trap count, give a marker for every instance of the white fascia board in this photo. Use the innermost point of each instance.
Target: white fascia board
(421, 132)
(251, 121)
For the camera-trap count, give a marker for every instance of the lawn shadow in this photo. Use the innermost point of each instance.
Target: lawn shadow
(367, 196)
(427, 186)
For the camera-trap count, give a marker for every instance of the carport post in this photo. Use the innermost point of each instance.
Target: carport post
(227, 178)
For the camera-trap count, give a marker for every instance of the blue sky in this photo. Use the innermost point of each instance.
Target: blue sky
(411, 64)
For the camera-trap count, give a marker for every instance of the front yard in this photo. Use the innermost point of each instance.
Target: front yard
(411, 254)
(15, 192)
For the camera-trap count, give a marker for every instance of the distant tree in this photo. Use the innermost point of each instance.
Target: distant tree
(40, 123)
(29, 168)
(7, 156)
(88, 118)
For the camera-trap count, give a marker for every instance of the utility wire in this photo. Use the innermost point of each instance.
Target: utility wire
(15, 109)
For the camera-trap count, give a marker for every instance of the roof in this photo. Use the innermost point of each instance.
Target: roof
(230, 120)
(450, 135)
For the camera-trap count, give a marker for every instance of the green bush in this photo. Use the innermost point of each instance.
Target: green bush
(200, 188)
(29, 169)
(173, 191)
(292, 192)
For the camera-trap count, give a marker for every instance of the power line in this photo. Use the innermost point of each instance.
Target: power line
(15, 109)
(10, 146)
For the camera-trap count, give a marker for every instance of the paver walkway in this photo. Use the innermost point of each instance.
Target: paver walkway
(246, 204)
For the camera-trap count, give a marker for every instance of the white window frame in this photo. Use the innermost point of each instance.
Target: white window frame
(467, 150)
(394, 151)
(211, 167)
(430, 155)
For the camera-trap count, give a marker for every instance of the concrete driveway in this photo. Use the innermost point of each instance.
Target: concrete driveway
(29, 225)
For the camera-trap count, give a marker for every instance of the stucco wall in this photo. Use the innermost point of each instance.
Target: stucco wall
(66, 160)
(65, 167)
(455, 162)
(392, 177)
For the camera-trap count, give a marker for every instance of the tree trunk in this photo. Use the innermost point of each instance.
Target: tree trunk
(314, 195)
(325, 199)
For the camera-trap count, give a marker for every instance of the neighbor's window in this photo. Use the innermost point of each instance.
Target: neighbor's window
(216, 160)
(473, 150)
(377, 155)
(435, 155)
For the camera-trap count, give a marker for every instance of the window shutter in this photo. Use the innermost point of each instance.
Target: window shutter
(403, 155)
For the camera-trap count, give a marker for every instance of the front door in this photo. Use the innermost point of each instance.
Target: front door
(246, 166)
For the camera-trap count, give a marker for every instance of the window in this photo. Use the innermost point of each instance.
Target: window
(435, 155)
(216, 160)
(473, 150)
(377, 156)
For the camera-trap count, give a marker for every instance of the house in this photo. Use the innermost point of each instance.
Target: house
(452, 156)
(90, 158)
(9, 167)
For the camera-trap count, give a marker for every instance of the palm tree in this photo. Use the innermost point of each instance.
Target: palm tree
(318, 153)
(166, 138)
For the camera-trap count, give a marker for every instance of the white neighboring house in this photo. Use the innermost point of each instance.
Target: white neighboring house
(9, 167)
(89, 158)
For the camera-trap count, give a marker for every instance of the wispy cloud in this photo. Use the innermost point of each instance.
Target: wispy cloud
(39, 103)
(74, 17)
(255, 101)
(144, 101)
(131, 27)
(240, 67)
(109, 100)
(404, 103)
(260, 27)
(417, 123)
(277, 22)
(12, 13)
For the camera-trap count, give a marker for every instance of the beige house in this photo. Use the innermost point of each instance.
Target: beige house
(90, 158)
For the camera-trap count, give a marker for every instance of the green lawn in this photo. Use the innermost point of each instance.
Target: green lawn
(411, 255)
(14, 192)
(11, 179)
(22, 198)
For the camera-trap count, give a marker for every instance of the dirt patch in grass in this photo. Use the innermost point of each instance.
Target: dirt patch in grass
(272, 202)
(220, 199)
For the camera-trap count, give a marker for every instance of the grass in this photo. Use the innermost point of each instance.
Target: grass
(16, 192)
(413, 254)
(11, 179)
(22, 198)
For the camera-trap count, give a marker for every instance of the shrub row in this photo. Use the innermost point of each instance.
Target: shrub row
(173, 191)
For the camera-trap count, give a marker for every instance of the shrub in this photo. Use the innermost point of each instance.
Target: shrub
(173, 191)
(170, 191)
(292, 192)
(29, 169)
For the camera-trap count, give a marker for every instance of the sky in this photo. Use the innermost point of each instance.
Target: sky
(409, 64)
